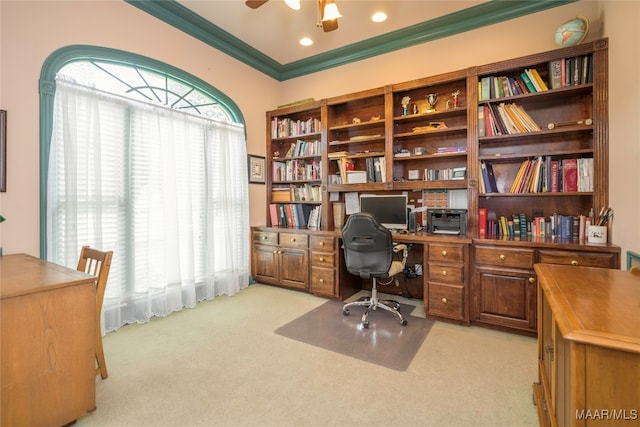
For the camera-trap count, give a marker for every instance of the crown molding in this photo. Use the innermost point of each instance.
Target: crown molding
(482, 15)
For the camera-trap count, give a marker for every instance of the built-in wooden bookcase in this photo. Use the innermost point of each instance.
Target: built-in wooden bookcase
(356, 144)
(571, 116)
(430, 142)
(389, 139)
(294, 162)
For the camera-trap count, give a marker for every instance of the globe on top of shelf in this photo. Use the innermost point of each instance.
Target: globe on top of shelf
(572, 32)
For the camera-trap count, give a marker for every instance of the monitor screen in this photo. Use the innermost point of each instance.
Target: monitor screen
(389, 209)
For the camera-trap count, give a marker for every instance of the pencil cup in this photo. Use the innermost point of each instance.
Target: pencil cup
(338, 215)
(597, 234)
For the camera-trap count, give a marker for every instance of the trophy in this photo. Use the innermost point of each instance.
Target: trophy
(432, 100)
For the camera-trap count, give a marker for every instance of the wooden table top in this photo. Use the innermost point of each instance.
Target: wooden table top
(23, 274)
(594, 305)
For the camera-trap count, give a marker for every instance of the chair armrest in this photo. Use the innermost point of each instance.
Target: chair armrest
(400, 247)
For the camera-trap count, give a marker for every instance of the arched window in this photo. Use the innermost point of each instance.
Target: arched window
(146, 160)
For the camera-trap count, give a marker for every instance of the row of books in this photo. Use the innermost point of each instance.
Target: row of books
(495, 87)
(297, 193)
(544, 174)
(286, 127)
(566, 227)
(573, 71)
(504, 119)
(302, 148)
(296, 170)
(293, 215)
(445, 174)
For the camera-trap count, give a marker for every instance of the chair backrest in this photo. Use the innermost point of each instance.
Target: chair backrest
(97, 263)
(368, 246)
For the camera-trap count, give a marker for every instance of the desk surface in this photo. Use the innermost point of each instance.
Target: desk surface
(23, 274)
(594, 305)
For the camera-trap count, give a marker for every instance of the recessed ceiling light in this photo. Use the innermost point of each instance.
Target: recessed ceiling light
(306, 41)
(379, 17)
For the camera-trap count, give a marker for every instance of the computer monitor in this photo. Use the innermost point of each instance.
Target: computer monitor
(389, 209)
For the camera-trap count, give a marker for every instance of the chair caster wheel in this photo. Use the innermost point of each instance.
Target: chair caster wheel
(365, 325)
(345, 312)
(403, 323)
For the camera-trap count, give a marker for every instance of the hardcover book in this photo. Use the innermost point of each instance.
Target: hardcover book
(570, 175)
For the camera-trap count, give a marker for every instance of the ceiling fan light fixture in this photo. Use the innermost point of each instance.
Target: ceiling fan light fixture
(331, 11)
(293, 4)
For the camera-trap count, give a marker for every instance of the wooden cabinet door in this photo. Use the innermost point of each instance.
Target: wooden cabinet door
(265, 263)
(294, 268)
(505, 298)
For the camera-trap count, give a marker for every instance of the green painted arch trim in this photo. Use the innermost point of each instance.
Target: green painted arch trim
(478, 16)
(47, 87)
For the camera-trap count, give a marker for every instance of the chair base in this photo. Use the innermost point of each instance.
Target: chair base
(372, 303)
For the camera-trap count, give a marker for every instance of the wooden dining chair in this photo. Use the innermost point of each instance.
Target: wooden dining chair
(97, 263)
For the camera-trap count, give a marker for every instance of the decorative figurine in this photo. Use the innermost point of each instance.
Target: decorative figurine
(455, 98)
(405, 104)
(432, 100)
(415, 108)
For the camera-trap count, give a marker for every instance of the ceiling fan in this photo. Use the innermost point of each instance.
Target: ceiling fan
(327, 11)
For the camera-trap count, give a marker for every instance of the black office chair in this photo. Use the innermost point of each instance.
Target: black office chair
(369, 252)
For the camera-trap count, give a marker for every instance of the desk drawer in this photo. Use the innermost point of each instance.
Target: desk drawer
(446, 273)
(446, 301)
(265, 237)
(505, 257)
(293, 240)
(322, 259)
(321, 243)
(582, 259)
(447, 253)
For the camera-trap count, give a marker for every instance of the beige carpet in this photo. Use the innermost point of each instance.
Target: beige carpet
(220, 364)
(386, 342)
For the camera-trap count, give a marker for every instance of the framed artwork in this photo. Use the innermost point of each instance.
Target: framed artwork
(3, 150)
(256, 169)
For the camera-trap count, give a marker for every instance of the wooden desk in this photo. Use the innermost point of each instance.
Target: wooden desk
(47, 342)
(588, 346)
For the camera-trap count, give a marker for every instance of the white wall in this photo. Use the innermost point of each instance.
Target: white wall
(30, 31)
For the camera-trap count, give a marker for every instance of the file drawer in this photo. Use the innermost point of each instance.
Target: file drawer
(322, 259)
(448, 253)
(321, 243)
(446, 273)
(505, 257)
(265, 237)
(583, 259)
(293, 240)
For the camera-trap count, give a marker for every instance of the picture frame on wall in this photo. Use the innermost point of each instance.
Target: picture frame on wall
(3, 150)
(256, 169)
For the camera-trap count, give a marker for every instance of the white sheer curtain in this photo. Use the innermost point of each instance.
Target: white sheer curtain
(166, 191)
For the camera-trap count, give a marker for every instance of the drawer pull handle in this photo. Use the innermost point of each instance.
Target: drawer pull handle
(444, 253)
(444, 300)
(293, 239)
(532, 279)
(264, 237)
(321, 259)
(321, 243)
(275, 252)
(574, 262)
(321, 280)
(502, 257)
(444, 272)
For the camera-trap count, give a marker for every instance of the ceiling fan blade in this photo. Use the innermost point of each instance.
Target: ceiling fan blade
(254, 4)
(329, 25)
